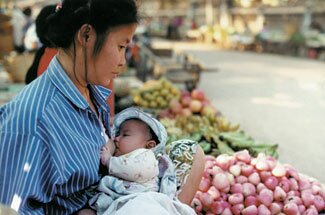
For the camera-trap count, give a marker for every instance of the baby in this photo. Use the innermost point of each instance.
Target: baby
(132, 159)
(141, 176)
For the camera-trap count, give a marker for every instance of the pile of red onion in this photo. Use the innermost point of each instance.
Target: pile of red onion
(241, 184)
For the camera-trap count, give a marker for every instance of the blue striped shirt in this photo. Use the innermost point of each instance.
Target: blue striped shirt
(49, 145)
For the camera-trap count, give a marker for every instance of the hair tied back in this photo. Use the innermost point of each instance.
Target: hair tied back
(58, 7)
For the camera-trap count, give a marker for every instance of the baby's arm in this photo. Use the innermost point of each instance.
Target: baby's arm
(138, 166)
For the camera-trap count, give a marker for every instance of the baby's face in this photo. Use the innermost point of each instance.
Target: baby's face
(133, 135)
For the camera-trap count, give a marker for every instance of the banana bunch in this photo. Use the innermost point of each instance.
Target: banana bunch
(222, 124)
(156, 94)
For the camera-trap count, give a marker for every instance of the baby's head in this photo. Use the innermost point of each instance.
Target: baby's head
(153, 133)
(134, 134)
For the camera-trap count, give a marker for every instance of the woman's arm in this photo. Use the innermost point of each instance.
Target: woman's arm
(27, 173)
(192, 183)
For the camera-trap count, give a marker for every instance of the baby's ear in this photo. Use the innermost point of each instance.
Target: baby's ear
(150, 144)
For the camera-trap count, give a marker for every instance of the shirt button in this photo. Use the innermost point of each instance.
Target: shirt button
(101, 133)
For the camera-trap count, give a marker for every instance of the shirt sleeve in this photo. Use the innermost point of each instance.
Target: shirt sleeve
(27, 174)
(138, 166)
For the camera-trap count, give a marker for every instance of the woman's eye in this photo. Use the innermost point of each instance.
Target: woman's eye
(122, 47)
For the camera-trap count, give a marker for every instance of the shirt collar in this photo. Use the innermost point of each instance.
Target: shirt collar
(64, 84)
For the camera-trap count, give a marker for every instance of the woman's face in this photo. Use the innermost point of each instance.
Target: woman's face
(108, 63)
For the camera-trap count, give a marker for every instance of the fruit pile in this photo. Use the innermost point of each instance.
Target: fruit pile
(241, 184)
(215, 134)
(155, 94)
(192, 116)
(189, 103)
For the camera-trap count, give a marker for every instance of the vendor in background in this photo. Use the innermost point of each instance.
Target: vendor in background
(18, 21)
(21, 21)
(45, 52)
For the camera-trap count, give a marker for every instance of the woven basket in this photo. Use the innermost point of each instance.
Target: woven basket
(18, 64)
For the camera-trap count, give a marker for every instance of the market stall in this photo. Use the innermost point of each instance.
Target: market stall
(242, 175)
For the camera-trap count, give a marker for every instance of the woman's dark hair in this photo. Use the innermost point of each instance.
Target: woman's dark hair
(102, 15)
(41, 23)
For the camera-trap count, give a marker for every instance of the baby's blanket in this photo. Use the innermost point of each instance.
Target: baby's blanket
(114, 200)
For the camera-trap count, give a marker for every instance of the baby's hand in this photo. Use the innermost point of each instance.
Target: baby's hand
(111, 146)
(106, 152)
(105, 155)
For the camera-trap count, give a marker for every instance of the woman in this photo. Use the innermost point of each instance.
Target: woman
(52, 132)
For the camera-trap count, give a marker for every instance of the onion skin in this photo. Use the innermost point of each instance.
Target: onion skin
(236, 209)
(243, 156)
(247, 170)
(285, 184)
(308, 199)
(279, 194)
(249, 189)
(250, 210)
(290, 209)
(276, 208)
(220, 181)
(235, 170)
(206, 200)
(271, 182)
(240, 184)
(204, 185)
(279, 170)
(216, 208)
(236, 198)
(254, 178)
(319, 203)
(262, 209)
(266, 197)
(214, 193)
(251, 200)
(227, 211)
(197, 205)
(236, 188)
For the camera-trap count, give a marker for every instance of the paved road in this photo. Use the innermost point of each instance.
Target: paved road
(276, 99)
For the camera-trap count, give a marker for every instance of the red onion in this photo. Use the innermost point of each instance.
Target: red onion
(236, 198)
(279, 194)
(250, 210)
(251, 200)
(266, 197)
(262, 209)
(271, 182)
(236, 209)
(254, 178)
(290, 209)
(249, 189)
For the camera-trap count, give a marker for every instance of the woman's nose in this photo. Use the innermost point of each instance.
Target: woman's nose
(123, 60)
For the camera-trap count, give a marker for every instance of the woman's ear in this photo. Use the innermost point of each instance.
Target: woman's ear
(150, 144)
(84, 34)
